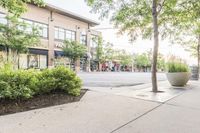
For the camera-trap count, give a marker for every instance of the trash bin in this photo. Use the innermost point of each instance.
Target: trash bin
(194, 73)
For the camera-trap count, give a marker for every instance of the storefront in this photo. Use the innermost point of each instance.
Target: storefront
(36, 58)
(61, 60)
(83, 64)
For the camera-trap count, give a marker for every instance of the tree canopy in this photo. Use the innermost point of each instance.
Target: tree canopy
(17, 7)
(147, 18)
(74, 50)
(15, 37)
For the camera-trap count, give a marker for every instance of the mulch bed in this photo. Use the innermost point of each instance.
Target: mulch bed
(40, 101)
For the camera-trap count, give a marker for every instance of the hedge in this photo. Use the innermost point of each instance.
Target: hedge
(24, 84)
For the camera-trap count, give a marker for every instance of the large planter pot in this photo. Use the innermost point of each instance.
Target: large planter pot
(178, 78)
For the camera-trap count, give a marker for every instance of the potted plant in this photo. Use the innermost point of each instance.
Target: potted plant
(178, 73)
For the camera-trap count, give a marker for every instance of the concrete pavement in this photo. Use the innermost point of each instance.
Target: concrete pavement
(117, 79)
(106, 112)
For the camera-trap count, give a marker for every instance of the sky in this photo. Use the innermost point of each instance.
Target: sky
(121, 42)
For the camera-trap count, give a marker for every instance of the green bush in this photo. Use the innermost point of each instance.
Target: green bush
(59, 78)
(177, 67)
(24, 84)
(17, 84)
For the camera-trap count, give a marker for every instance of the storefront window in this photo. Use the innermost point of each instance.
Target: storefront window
(33, 61)
(43, 61)
(83, 64)
(23, 61)
(37, 61)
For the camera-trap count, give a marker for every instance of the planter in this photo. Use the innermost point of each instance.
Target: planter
(178, 78)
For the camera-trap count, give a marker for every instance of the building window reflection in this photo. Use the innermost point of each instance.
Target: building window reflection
(64, 34)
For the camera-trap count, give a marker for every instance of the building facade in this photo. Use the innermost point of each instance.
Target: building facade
(56, 25)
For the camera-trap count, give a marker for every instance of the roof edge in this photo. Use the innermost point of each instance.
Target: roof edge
(70, 14)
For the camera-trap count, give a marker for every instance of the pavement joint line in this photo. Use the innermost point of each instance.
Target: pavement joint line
(161, 103)
(136, 118)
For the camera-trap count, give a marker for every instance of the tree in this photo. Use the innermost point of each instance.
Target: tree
(99, 51)
(189, 25)
(161, 62)
(107, 52)
(74, 50)
(142, 61)
(16, 40)
(148, 18)
(123, 57)
(17, 7)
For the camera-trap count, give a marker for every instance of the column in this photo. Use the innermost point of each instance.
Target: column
(51, 41)
(77, 63)
(88, 50)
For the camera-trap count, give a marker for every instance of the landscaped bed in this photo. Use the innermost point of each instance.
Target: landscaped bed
(22, 90)
(40, 101)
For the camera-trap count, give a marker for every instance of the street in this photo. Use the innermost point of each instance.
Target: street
(116, 79)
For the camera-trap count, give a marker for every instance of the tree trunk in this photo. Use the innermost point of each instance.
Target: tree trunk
(156, 44)
(18, 57)
(7, 54)
(198, 55)
(99, 66)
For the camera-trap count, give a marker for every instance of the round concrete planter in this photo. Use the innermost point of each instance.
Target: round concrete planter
(178, 78)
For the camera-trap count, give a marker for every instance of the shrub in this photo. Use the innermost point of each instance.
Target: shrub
(59, 78)
(24, 84)
(17, 84)
(177, 67)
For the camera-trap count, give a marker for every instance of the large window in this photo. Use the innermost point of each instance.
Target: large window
(42, 28)
(63, 34)
(37, 61)
(70, 35)
(3, 19)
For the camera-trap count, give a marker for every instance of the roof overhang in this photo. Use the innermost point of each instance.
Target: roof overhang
(70, 14)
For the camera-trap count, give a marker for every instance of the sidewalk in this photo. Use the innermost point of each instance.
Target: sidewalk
(113, 111)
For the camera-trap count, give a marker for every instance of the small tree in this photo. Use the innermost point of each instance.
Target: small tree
(123, 57)
(16, 40)
(74, 50)
(146, 18)
(142, 61)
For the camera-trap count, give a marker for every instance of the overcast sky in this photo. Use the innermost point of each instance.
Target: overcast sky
(120, 42)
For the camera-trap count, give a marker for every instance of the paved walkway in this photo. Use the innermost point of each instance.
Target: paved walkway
(106, 112)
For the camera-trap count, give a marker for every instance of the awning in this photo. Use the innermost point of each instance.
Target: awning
(38, 51)
(58, 53)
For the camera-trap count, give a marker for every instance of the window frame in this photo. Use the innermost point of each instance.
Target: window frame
(65, 33)
(35, 23)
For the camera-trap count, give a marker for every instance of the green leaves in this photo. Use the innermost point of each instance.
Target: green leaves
(17, 39)
(177, 67)
(18, 7)
(74, 50)
(142, 60)
(24, 84)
